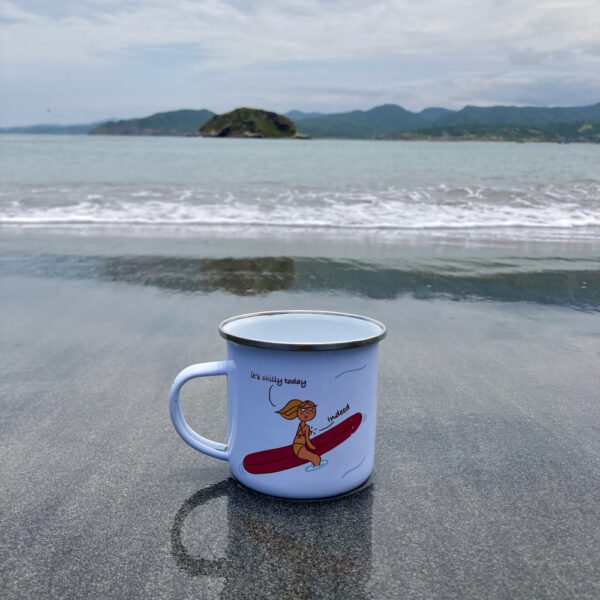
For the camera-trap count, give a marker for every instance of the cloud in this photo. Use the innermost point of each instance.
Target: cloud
(241, 32)
(339, 52)
(566, 90)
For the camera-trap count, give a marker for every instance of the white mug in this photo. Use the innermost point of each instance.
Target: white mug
(302, 401)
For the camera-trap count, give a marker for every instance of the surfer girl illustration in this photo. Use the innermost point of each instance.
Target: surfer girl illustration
(305, 410)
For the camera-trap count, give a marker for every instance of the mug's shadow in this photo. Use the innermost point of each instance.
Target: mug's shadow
(284, 549)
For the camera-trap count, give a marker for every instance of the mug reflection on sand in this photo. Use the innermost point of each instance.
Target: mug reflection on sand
(283, 549)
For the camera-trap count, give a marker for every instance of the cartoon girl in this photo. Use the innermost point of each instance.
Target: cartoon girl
(305, 410)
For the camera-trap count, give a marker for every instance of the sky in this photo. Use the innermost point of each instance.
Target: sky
(67, 61)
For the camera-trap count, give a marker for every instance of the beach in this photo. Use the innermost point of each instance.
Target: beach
(486, 476)
(486, 481)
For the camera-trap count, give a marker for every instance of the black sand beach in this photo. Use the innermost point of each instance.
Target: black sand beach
(487, 472)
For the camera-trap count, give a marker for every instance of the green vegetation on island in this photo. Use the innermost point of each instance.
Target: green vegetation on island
(250, 123)
(588, 132)
(176, 122)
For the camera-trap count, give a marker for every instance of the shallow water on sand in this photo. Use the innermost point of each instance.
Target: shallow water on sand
(550, 273)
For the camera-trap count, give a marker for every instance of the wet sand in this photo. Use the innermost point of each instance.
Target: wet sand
(487, 476)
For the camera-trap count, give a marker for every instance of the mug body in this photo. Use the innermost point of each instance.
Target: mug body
(302, 401)
(270, 388)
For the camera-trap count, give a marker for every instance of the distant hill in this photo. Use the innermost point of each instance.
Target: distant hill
(362, 124)
(176, 122)
(520, 115)
(434, 113)
(559, 132)
(392, 118)
(298, 115)
(371, 123)
(249, 123)
(53, 129)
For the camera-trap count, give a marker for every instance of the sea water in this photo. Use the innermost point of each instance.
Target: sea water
(346, 187)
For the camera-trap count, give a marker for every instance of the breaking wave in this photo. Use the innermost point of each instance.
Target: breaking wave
(426, 208)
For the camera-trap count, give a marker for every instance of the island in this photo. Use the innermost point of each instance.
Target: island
(250, 123)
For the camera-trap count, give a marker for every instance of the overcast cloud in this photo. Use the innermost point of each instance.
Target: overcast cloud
(94, 59)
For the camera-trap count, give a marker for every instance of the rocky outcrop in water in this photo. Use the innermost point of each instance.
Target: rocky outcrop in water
(250, 123)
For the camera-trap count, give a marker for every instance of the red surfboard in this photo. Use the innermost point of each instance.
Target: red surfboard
(280, 459)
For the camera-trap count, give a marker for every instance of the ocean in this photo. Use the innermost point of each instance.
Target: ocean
(274, 187)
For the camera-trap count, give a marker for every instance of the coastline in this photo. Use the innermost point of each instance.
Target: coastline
(313, 138)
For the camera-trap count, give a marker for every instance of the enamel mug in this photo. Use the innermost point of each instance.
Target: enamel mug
(302, 401)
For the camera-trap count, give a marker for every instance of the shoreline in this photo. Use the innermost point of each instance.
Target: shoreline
(311, 138)
(585, 234)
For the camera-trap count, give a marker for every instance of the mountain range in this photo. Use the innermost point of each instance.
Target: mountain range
(389, 118)
(380, 121)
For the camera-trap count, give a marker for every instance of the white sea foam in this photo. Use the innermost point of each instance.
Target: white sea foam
(426, 208)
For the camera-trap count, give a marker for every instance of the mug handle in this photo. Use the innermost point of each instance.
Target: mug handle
(195, 440)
